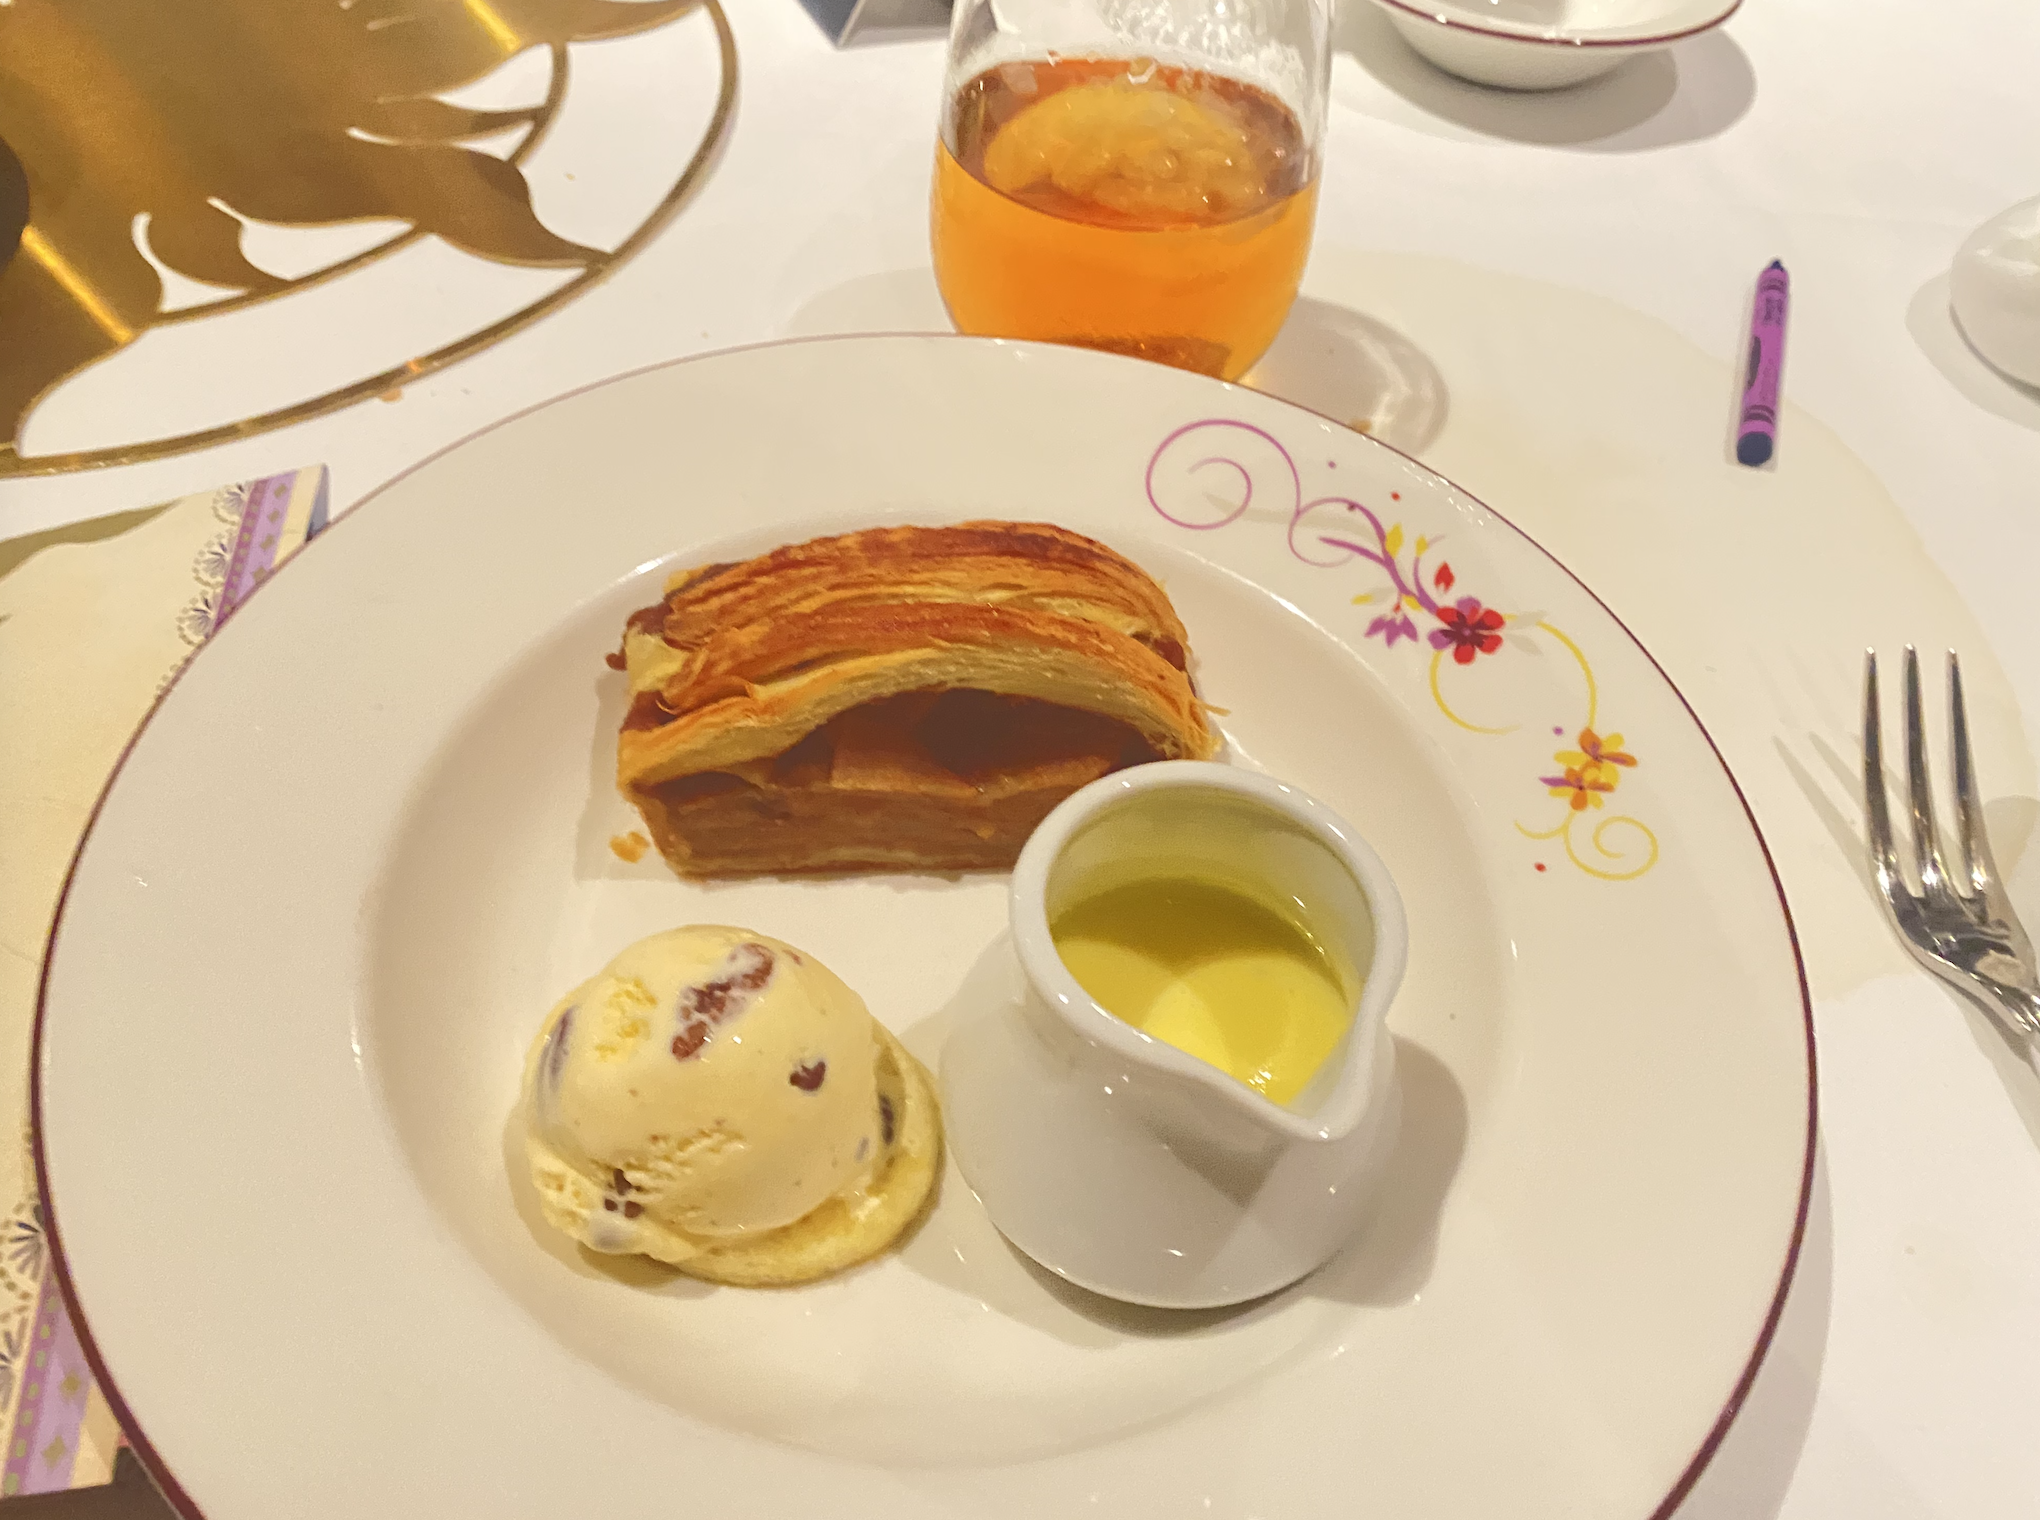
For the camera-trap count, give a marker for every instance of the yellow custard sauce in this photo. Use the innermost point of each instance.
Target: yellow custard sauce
(1227, 978)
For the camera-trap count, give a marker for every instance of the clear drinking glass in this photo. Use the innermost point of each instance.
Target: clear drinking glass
(1132, 175)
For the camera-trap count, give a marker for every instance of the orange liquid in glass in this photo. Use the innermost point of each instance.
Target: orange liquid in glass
(1131, 206)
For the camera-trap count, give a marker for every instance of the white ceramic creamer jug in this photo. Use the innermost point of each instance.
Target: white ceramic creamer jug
(1122, 1163)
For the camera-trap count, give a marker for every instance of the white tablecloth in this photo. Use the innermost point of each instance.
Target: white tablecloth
(1858, 142)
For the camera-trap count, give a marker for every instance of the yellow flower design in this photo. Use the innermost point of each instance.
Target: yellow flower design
(1597, 759)
(1582, 787)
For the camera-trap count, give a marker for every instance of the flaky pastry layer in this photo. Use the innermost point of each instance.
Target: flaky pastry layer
(740, 662)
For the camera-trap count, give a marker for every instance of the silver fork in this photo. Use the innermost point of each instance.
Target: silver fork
(1960, 927)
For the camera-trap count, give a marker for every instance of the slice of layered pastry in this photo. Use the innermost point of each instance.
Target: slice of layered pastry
(903, 698)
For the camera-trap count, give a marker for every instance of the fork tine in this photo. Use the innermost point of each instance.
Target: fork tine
(1975, 840)
(1926, 839)
(1973, 942)
(1876, 806)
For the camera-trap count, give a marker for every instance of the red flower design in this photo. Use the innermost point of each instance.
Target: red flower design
(1442, 577)
(1470, 629)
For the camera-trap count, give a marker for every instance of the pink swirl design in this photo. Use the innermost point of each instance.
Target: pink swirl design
(1180, 487)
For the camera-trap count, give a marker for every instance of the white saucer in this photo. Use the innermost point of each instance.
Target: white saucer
(1546, 44)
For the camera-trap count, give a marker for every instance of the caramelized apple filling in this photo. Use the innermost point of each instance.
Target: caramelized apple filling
(954, 779)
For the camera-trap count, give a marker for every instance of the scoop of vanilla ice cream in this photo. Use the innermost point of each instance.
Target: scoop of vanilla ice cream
(708, 1082)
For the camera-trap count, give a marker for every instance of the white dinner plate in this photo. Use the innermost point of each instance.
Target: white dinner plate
(363, 844)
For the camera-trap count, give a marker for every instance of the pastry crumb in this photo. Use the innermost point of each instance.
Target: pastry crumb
(631, 846)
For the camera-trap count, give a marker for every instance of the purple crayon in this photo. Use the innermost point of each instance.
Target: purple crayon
(1756, 430)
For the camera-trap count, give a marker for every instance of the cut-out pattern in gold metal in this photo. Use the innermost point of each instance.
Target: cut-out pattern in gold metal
(173, 121)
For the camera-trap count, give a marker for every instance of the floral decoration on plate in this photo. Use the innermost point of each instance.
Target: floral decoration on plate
(1207, 475)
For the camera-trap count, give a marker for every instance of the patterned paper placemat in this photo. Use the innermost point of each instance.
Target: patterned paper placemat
(94, 621)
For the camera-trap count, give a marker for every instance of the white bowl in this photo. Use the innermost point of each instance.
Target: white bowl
(1995, 291)
(1546, 44)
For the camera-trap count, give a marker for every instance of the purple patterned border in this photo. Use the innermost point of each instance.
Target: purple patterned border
(56, 1377)
(256, 545)
(56, 1382)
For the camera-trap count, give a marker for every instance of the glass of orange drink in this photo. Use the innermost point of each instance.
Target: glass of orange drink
(1133, 175)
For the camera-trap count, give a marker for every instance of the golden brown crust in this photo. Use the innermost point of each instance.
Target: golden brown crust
(740, 662)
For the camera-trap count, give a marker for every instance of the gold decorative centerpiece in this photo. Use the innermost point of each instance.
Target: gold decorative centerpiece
(154, 136)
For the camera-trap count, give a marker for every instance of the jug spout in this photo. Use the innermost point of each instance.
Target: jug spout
(1235, 1137)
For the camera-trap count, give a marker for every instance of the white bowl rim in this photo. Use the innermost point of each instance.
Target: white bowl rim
(1520, 31)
